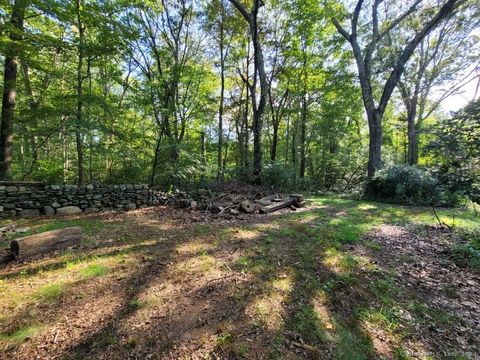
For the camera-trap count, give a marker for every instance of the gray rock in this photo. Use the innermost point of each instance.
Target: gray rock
(130, 206)
(9, 213)
(67, 210)
(48, 210)
(55, 187)
(56, 205)
(1, 208)
(90, 187)
(29, 212)
(11, 189)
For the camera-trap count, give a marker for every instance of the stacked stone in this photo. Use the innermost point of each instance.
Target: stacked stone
(34, 199)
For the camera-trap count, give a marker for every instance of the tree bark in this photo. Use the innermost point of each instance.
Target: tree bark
(10, 88)
(375, 142)
(79, 114)
(258, 109)
(222, 95)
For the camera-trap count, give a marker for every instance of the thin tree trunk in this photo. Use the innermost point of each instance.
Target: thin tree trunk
(222, 95)
(303, 122)
(258, 109)
(79, 115)
(10, 89)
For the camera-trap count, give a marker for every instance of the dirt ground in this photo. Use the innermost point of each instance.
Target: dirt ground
(337, 280)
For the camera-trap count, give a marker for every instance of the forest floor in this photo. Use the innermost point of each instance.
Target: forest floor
(341, 279)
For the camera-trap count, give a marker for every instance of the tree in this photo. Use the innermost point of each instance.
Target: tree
(364, 58)
(258, 108)
(10, 86)
(457, 151)
(437, 64)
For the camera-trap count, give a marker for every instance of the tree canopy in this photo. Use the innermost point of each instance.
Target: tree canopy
(176, 93)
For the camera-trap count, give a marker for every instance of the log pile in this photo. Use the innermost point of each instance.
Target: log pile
(235, 203)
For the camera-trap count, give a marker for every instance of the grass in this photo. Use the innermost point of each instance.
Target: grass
(300, 276)
(93, 270)
(50, 292)
(22, 334)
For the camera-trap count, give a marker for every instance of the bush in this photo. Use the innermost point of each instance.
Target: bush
(466, 255)
(403, 184)
(277, 175)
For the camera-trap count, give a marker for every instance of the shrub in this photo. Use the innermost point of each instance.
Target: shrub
(403, 184)
(277, 175)
(468, 254)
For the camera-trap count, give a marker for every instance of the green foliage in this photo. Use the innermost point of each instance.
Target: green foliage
(457, 150)
(403, 184)
(468, 254)
(277, 175)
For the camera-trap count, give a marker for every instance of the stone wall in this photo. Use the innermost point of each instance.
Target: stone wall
(33, 198)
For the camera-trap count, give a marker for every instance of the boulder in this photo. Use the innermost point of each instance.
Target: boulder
(29, 212)
(48, 210)
(130, 206)
(68, 210)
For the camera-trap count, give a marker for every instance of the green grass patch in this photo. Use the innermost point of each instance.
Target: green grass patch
(93, 270)
(50, 292)
(22, 334)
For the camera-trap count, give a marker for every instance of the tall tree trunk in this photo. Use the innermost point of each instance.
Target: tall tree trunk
(303, 122)
(375, 143)
(10, 88)
(258, 109)
(273, 151)
(79, 114)
(303, 137)
(412, 135)
(222, 96)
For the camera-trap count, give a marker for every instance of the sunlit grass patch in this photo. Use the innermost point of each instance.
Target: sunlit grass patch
(50, 292)
(366, 207)
(245, 234)
(93, 270)
(268, 310)
(283, 283)
(385, 318)
(194, 247)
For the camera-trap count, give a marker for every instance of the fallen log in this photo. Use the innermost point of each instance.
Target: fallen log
(46, 241)
(277, 206)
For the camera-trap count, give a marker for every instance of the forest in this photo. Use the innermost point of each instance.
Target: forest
(240, 179)
(301, 93)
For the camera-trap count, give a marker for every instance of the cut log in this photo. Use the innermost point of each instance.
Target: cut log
(267, 200)
(299, 204)
(48, 241)
(247, 206)
(297, 197)
(276, 206)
